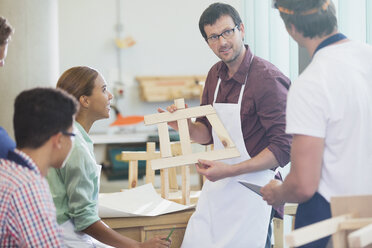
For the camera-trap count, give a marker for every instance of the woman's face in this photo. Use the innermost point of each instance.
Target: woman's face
(100, 99)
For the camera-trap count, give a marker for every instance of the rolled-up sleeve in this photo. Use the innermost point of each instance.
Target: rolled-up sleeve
(271, 106)
(80, 176)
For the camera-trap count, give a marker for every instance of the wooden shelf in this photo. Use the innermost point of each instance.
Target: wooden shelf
(168, 88)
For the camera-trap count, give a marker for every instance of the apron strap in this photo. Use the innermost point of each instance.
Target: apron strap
(241, 90)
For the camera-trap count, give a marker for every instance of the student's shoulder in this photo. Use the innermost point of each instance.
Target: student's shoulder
(18, 177)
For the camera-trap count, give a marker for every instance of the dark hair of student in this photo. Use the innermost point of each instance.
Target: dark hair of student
(312, 18)
(40, 113)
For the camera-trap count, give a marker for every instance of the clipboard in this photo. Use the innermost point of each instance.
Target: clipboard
(255, 188)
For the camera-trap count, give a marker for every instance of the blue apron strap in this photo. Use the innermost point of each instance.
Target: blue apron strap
(314, 210)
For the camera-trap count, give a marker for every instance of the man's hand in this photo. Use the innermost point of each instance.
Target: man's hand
(271, 193)
(171, 109)
(213, 170)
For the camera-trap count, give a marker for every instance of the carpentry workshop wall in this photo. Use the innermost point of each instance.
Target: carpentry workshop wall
(156, 38)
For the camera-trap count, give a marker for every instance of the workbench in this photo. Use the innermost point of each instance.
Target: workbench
(144, 228)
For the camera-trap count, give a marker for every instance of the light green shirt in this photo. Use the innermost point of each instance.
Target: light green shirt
(75, 187)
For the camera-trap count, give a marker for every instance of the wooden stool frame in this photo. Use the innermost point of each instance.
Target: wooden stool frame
(350, 226)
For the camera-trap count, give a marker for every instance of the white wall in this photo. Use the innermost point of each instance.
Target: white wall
(32, 59)
(167, 36)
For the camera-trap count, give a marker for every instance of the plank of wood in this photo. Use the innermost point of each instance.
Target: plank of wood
(220, 130)
(193, 158)
(143, 155)
(165, 151)
(176, 149)
(183, 129)
(165, 146)
(186, 185)
(278, 232)
(150, 173)
(359, 204)
(315, 231)
(173, 185)
(179, 114)
(361, 237)
(164, 178)
(133, 174)
(355, 223)
(171, 218)
(290, 209)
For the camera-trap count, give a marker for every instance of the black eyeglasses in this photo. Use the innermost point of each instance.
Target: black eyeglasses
(68, 133)
(225, 34)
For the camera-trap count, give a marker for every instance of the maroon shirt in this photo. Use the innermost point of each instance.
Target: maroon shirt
(263, 104)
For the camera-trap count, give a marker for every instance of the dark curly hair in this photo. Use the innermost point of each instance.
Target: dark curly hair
(40, 113)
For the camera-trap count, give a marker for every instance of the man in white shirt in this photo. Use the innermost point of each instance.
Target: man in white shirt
(329, 111)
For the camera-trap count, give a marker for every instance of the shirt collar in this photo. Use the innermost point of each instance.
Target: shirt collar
(241, 74)
(23, 159)
(82, 131)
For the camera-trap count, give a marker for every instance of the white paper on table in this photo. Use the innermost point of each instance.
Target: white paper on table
(139, 201)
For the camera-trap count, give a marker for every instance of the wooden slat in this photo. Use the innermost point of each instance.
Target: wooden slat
(193, 158)
(220, 130)
(186, 185)
(315, 231)
(145, 155)
(164, 177)
(133, 174)
(165, 151)
(355, 223)
(358, 204)
(183, 129)
(290, 209)
(165, 146)
(361, 237)
(150, 173)
(173, 185)
(178, 115)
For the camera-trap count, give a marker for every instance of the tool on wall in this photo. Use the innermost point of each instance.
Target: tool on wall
(121, 42)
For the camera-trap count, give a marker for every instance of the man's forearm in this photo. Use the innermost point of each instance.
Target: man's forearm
(263, 161)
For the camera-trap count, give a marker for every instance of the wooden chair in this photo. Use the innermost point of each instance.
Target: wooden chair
(187, 196)
(350, 226)
(278, 224)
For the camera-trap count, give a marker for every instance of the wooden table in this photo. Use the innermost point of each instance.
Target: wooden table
(144, 228)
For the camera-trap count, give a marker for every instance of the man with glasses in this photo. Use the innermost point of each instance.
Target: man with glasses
(42, 121)
(330, 114)
(249, 95)
(6, 143)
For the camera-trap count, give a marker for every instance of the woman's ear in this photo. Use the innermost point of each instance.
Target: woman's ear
(84, 101)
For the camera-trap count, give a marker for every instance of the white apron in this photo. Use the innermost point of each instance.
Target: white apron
(228, 214)
(74, 239)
